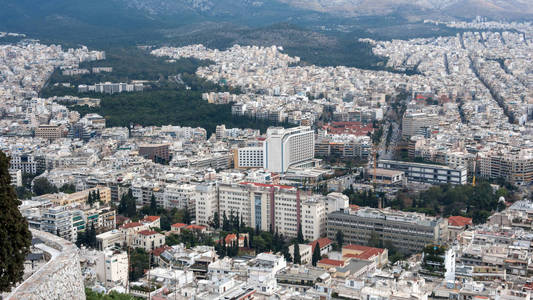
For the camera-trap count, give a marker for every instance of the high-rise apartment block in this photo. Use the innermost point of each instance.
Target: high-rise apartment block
(290, 147)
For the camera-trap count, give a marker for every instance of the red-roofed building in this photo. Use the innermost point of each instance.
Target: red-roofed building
(327, 263)
(196, 228)
(129, 231)
(456, 225)
(326, 245)
(232, 237)
(152, 221)
(176, 228)
(377, 255)
(149, 240)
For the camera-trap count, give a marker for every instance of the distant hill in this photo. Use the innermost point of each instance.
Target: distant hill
(507, 9)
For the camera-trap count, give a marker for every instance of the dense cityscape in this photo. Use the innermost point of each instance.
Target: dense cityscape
(409, 182)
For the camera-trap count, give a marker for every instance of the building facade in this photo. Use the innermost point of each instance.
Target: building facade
(408, 232)
(285, 148)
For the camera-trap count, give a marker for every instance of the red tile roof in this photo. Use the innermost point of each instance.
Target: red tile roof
(151, 218)
(131, 225)
(147, 232)
(196, 227)
(230, 238)
(459, 221)
(331, 262)
(269, 185)
(178, 225)
(323, 242)
(366, 252)
(158, 251)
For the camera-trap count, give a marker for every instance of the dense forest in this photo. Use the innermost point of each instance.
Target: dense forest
(164, 102)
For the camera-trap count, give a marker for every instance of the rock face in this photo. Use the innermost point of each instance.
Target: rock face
(59, 278)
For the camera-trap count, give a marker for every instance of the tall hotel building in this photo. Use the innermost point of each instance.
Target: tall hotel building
(292, 147)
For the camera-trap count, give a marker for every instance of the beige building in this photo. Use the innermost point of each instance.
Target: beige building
(81, 197)
(50, 132)
(306, 253)
(148, 240)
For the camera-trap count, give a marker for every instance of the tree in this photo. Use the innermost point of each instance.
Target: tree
(187, 216)
(225, 222)
(91, 237)
(339, 237)
(286, 254)
(243, 225)
(153, 205)
(15, 237)
(68, 188)
(127, 206)
(300, 236)
(42, 186)
(316, 255)
(245, 242)
(97, 196)
(90, 198)
(297, 257)
(215, 223)
(138, 263)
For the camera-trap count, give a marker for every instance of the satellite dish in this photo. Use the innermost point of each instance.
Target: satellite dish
(502, 199)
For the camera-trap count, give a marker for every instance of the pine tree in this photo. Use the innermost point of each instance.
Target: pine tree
(297, 257)
(225, 222)
(339, 237)
(187, 216)
(153, 205)
(316, 255)
(286, 254)
(216, 221)
(90, 199)
(97, 196)
(300, 236)
(91, 237)
(15, 237)
(243, 225)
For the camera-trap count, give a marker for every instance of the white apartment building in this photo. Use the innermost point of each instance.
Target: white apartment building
(205, 197)
(262, 275)
(414, 123)
(179, 196)
(265, 206)
(290, 147)
(249, 157)
(112, 268)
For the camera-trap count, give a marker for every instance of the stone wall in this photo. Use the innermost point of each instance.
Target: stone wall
(59, 278)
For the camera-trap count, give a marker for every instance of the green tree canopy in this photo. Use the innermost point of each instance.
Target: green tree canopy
(15, 237)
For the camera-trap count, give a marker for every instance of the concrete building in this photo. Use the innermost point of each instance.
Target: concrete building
(262, 274)
(408, 232)
(286, 148)
(58, 221)
(515, 168)
(148, 240)
(155, 152)
(249, 157)
(49, 132)
(427, 173)
(268, 206)
(417, 123)
(112, 268)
